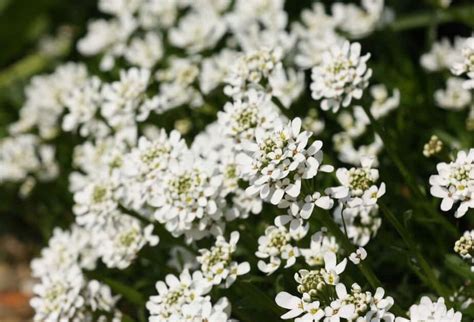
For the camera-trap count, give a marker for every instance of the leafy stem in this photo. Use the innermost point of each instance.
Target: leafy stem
(407, 176)
(464, 13)
(426, 268)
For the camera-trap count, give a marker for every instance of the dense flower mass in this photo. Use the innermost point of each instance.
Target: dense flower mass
(186, 144)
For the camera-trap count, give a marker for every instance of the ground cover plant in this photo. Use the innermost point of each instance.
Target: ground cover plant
(250, 160)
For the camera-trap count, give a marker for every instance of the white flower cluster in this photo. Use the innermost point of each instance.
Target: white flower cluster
(324, 298)
(454, 183)
(455, 97)
(46, 98)
(428, 310)
(24, 156)
(321, 243)
(318, 31)
(217, 265)
(442, 54)
(355, 123)
(63, 292)
(341, 76)
(277, 162)
(466, 63)
(185, 299)
(276, 245)
(358, 195)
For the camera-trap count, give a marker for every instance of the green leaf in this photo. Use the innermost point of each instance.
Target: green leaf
(455, 264)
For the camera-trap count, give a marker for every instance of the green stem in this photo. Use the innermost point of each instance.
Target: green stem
(33, 64)
(346, 244)
(464, 13)
(432, 280)
(409, 179)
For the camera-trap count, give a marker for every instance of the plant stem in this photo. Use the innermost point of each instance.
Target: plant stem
(463, 13)
(409, 179)
(431, 277)
(334, 229)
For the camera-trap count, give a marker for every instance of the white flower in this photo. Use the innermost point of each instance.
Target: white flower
(217, 264)
(466, 63)
(313, 313)
(383, 103)
(242, 117)
(188, 200)
(341, 76)
(358, 22)
(119, 242)
(455, 97)
(203, 310)
(66, 249)
(95, 204)
(286, 85)
(197, 30)
(276, 157)
(147, 163)
(23, 156)
(316, 34)
(338, 310)
(145, 51)
(367, 307)
(321, 244)
(215, 69)
(356, 181)
(431, 311)
(359, 255)
(67, 296)
(123, 98)
(332, 269)
(45, 100)
(455, 183)
(250, 70)
(82, 105)
(177, 84)
(442, 54)
(174, 293)
(276, 245)
(312, 122)
(294, 304)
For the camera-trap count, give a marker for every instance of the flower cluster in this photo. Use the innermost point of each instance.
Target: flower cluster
(185, 299)
(276, 245)
(64, 293)
(454, 183)
(464, 246)
(323, 297)
(357, 196)
(434, 311)
(355, 124)
(466, 63)
(217, 264)
(24, 157)
(341, 76)
(433, 147)
(278, 161)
